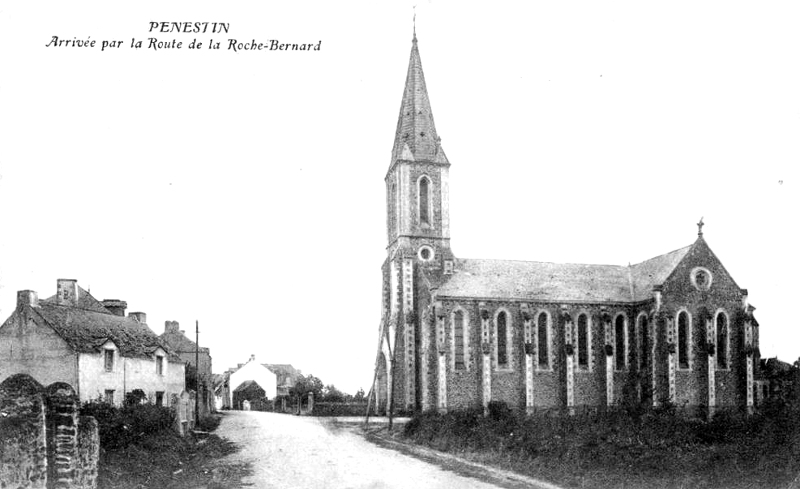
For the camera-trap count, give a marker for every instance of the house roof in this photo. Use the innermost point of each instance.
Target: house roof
(88, 326)
(291, 374)
(544, 281)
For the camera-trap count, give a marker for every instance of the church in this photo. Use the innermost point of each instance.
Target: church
(544, 337)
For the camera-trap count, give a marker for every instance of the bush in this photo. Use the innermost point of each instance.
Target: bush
(121, 426)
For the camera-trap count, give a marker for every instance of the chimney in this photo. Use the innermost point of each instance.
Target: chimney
(115, 306)
(139, 317)
(27, 298)
(172, 327)
(67, 292)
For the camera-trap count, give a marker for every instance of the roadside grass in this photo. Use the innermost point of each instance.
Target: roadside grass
(654, 449)
(139, 448)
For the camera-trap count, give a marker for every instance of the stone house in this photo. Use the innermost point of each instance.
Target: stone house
(460, 333)
(176, 340)
(89, 344)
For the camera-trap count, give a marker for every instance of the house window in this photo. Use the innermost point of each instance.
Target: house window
(644, 342)
(543, 339)
(424, 201)
(109, 396)
(619, 342)
(683, 339)
(502, 339)
(159, 365)
(458, 339)
(159, 398)
(722, 340)
(583, 341)
(109, 360)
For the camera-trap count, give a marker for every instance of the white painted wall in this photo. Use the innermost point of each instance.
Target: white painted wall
(253, 370)
(128, 374)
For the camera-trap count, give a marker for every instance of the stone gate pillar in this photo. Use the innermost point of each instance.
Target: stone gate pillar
(62, 434)
(23, 446)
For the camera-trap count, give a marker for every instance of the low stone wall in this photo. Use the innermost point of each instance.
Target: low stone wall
(43, 444)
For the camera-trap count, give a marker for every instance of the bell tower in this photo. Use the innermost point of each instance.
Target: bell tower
(417, 182)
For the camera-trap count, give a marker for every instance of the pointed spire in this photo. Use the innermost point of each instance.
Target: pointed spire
(416, 133)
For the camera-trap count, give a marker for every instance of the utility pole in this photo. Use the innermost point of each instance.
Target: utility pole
(196, 373)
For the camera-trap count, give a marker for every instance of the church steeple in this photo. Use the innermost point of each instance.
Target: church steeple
(416, 138)
(417, 183)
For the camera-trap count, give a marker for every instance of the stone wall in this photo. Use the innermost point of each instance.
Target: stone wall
(43, 441)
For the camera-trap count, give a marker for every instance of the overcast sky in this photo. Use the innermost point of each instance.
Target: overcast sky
(245, 189)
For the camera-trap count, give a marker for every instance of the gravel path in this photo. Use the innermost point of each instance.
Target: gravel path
(307, 453)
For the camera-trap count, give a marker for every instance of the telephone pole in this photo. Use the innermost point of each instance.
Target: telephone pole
(196, 373)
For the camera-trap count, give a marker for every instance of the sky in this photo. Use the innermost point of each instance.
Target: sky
(244, 190)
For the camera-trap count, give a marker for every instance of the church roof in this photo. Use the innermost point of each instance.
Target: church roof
(571, 282)
(416, 137)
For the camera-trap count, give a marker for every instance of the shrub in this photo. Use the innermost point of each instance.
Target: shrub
(119, 427)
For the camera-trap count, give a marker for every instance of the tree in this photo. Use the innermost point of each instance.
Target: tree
(360, 396)
(331, 394)
(306, 384)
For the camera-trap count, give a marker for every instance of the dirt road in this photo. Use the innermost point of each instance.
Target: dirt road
(309, 453)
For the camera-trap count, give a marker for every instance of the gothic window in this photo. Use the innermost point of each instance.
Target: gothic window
(159, 365)
(722, 340)
(644, 342)
(619, 342)
(424, 201)
(583, 341)
(543, 337)
(460, 345)
(502, 339)
(392, 209)
(684, 339)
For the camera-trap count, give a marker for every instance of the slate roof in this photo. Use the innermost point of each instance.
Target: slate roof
(87, 327)
(569, 282)
(416, 137)
(285, 370)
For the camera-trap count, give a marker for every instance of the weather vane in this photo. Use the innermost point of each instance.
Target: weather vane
(414, 9)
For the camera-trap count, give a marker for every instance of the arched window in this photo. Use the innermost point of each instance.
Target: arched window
(583, 341)
(684, 340)
(393, 209)
(644, 342)
(502, 340)
(543, 338)
(619, 342)
(458, 339)
(424, 201)
(722, 340)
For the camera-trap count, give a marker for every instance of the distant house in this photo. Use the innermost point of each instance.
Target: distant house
(74, 338)
(287, 376)
(188, 352)
(778, 380)
(274, 379)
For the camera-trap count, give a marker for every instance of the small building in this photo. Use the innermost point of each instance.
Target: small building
(194, 358)
(90, 344)
(274, 379)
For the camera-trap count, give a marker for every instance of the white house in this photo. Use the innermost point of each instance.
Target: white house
(74, 338)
